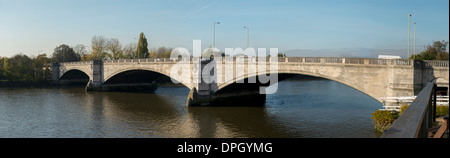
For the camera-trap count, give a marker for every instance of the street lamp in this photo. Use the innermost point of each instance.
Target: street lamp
(409, 24)
(248, 30)
(214, 34)
(414, 51)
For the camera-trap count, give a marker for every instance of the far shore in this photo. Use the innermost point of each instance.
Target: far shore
(26, 84)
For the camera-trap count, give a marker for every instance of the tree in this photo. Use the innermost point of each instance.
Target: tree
(18, 68)
(442, 56)
(64, 53)
(98, 46)
(152, 53)
(281, 55)
(80, 50)
(163, 52)
(129, 51)
(7, 68)
(114, 48)
(2, 77)
(40, 67)
(437, 51)
(142, 50)
(23, 68)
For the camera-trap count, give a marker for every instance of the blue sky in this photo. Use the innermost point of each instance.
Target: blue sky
(343, 28)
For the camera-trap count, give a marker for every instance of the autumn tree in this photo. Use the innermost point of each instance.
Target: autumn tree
(98, 46)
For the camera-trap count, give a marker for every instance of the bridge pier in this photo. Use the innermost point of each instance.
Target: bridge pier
(96, 82)
(238, 98)
(55, 72)
(204, 92)
(198, 98)
(201, 93)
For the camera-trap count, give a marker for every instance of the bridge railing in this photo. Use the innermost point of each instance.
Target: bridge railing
(435, 63)
(305, 60)
(417, 118)
(77, 62)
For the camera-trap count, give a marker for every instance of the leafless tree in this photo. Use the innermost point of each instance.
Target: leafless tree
(114, 49)
(129, 51)
(80, 49)
(98, 46)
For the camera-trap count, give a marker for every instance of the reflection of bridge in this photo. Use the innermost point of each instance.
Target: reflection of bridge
(374, 77)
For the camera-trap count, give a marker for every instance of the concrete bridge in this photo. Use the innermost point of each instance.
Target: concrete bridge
(375, 77)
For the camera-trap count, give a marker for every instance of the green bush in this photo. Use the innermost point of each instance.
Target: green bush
(441, 110)
(403, 108)
(383, 119)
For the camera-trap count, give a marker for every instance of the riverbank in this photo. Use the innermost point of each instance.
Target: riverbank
(50, 84)
(26, 84)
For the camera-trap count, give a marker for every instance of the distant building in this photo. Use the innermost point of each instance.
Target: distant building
(388, 57)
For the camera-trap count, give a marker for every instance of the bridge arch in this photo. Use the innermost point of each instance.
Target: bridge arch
(129, 71)
(74, 77)
(352, 85)
(442, 86)
(74, 74)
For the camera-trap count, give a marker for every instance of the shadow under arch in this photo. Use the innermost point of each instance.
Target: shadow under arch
(282, 75)
(442, 86)
(136, 75)
(136, 80)
(74, 77)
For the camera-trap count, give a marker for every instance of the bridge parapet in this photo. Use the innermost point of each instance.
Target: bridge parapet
(435, 64)
(306, 60)
(77, 63)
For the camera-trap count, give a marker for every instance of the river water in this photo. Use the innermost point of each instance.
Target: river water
(301, 108)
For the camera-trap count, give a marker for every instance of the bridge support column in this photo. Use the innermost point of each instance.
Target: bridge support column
(200, 94)
(96, 82)
(203, 92)
(55, 72)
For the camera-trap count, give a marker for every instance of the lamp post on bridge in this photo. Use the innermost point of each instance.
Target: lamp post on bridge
(409, 24)
(248, 30)
(214, 34)
(414, 51)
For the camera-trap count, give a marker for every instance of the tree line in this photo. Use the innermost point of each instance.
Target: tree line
(436, 51)
(103, 48)
(21, 67)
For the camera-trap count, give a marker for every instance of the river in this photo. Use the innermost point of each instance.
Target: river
(301, 108)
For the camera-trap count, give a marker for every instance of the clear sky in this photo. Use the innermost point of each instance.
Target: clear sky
(340, 28)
